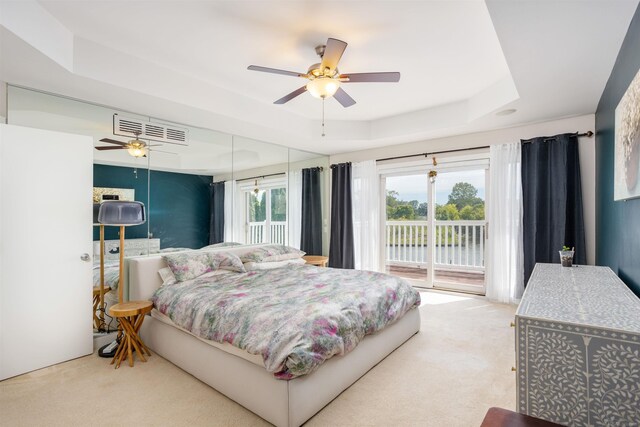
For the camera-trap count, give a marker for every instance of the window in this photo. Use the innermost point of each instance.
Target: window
(266, 212)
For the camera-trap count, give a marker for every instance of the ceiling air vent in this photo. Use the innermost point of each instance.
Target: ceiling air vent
(160, 132)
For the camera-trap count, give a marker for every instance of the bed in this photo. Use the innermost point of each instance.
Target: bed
(240, 375)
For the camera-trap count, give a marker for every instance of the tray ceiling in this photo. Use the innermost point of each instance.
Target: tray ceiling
(461, 62)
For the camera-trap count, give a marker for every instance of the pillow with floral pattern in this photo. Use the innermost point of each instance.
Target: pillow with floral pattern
(189, 265)
(222, 245)
(270, 253)
(227, 261)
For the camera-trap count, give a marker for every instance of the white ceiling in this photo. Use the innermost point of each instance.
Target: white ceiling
(185, 61)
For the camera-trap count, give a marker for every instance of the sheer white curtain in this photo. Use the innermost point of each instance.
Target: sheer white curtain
(505, 269)
(366, 215)
(229, 190)
(295, 208)
(240, 220)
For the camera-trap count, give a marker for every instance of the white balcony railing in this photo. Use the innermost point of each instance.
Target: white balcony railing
(276, 233)
(459, 245)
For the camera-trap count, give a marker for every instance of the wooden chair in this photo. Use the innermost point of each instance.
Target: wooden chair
(98, 319)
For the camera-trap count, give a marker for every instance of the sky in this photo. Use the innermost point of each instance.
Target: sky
(414, 187)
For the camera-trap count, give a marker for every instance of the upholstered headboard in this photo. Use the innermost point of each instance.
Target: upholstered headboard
(142, 278)
(132, 247)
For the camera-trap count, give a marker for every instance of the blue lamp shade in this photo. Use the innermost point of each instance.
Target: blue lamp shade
(119, 212)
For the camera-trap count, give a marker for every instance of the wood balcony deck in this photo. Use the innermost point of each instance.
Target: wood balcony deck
(448, 276)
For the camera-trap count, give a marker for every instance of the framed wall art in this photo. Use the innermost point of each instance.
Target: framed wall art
(627, 144)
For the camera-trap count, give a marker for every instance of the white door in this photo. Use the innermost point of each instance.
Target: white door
(45, 229)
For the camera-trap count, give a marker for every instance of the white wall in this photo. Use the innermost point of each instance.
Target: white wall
(500, 136)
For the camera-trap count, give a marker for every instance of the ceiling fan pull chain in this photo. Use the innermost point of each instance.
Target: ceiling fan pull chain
(323, 116)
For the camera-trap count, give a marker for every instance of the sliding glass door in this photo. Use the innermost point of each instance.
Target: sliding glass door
(434, 228)
(460, 230)
(407, 251)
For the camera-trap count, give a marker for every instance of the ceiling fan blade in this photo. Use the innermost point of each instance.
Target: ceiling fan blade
(113, 141)
(110, 148)
(332, 53)
(275, 71)
(343, 98)
(292, 95)
(390, 77)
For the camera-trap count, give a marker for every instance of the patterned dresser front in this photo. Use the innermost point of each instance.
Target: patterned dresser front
(578, 347)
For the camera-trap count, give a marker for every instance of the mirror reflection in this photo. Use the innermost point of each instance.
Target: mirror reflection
(201, 188)
(308, 182)
(260, 192)
(117, 175)
(180, 199)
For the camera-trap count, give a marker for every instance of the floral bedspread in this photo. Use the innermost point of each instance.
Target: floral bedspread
(111, 273)
(295, 317)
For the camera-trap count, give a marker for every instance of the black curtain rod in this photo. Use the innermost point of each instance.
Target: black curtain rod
(261, 176)
(335, 165)
(276, 174)
(588, 134)
(253, 177)
(432, 153)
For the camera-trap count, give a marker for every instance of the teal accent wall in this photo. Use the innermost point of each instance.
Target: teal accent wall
(617, 223)
(178, 205)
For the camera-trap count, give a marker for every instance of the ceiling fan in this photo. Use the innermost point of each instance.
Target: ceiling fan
(135, 147)
(324, 77)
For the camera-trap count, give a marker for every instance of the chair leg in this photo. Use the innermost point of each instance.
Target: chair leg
(96, 319)
(133, 339)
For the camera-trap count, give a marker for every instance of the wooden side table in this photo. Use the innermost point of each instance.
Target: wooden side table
(98, 320)
(130, 315)
(319, 260)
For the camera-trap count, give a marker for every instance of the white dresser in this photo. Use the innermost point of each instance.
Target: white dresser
(578, 347)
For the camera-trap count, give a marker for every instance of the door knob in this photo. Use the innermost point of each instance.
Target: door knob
(85, 257)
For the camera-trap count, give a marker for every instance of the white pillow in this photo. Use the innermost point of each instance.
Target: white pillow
(167, 276)
(255, 266)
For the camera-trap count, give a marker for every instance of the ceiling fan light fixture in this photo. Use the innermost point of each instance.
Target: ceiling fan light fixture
(137, 148)
(137, 152)
(323, 87)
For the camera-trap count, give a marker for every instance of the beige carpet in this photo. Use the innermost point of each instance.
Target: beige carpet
(449, 374)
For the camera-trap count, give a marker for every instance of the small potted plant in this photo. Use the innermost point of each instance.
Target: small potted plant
(566, 256)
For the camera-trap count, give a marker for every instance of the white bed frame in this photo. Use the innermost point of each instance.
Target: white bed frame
(283, 403)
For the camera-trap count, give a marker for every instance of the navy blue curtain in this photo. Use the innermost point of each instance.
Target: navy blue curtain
(341, 253)
(552, 200)
(311, 230)
(216, 223)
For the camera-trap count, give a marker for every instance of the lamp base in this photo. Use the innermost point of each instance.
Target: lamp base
(109, 350)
